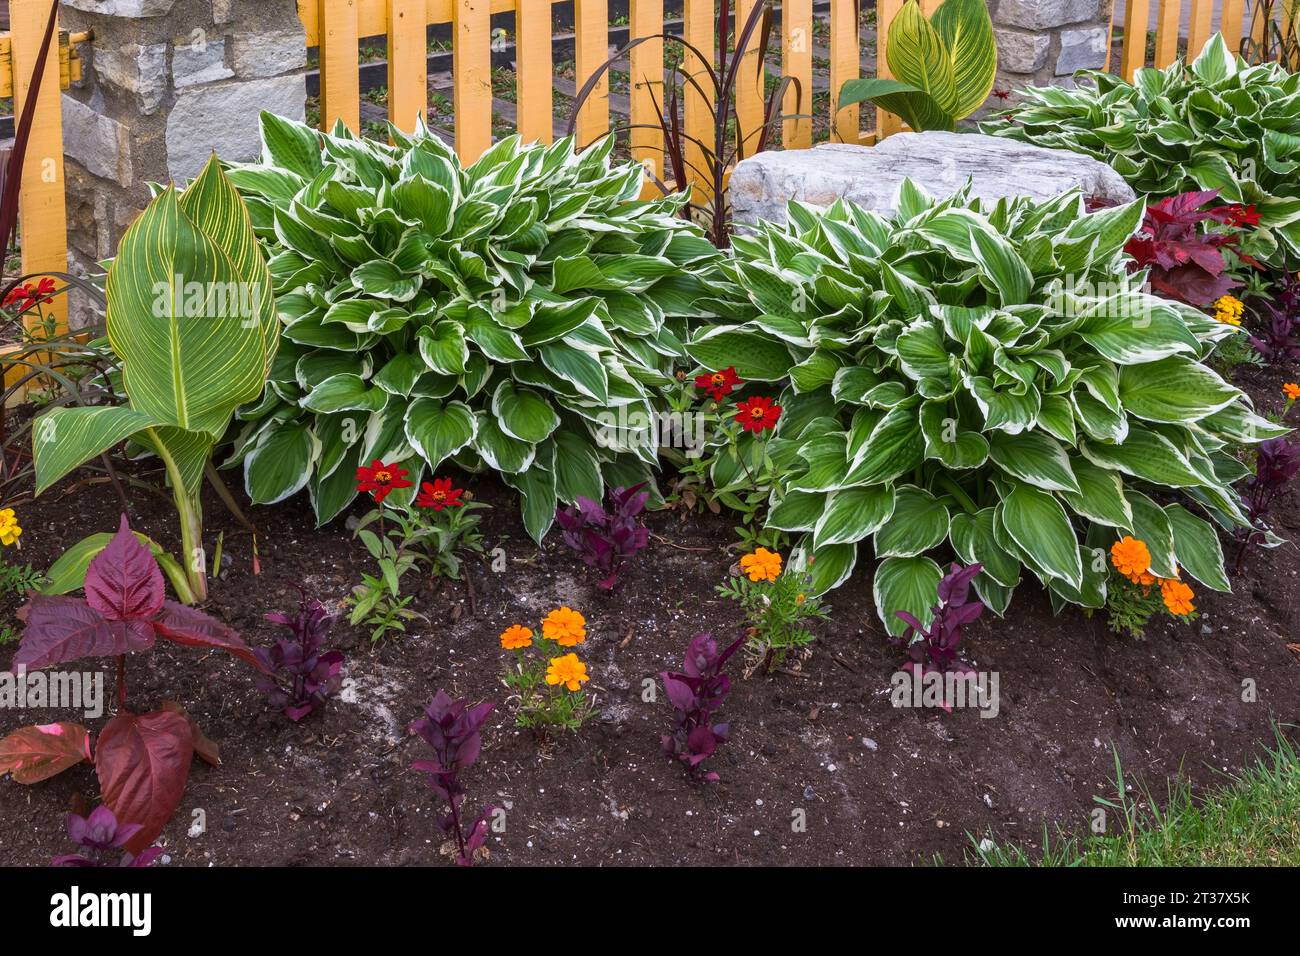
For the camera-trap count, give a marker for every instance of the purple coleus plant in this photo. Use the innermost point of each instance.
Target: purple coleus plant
(1276, 464)
(452, 728)
(696, 693)
(300, 676)
(937, 649)
(102, 840)
(607, 538)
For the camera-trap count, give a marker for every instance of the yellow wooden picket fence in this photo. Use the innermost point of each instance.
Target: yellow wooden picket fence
(42, 222)
(336, 27)
(1232, 22)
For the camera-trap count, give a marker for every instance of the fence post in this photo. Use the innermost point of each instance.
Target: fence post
(42, 213)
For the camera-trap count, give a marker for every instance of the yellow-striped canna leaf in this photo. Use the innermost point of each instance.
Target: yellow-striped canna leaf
(967, 32)
(917, 56)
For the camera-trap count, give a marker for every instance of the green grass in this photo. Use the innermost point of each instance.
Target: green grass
(1251, 819)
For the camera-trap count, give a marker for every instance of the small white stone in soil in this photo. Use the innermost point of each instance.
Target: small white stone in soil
(869, 743)
(758, 803)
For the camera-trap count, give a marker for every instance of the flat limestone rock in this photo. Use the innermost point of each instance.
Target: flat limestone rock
(939, 163)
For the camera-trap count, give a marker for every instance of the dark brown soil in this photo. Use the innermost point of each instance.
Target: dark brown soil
(876, 784)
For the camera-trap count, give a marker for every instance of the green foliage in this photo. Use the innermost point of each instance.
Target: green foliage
(1251, 819)
(777, 613)
(192, 323)
(943, 68)
(1216, 124)
(17, 581)
(990, 383)
(502, 315)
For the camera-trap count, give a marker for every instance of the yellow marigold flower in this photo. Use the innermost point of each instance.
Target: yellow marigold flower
(567, 670)
(800, 598)
(1292, 391)
(1228, 309)
(9, 529)
(762, 565)
(1131, 558)
(565, 626)
(515, 636)
(1177, 596)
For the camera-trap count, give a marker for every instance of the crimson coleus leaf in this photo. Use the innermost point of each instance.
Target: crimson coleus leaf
(192, 628)
(63, 629)
(142, 763)
(124, 582)
(37, 753)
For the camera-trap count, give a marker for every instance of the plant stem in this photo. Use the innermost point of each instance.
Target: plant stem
(190, 512)
(956, 491)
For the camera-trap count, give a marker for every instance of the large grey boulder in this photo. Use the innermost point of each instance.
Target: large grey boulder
(939, 163)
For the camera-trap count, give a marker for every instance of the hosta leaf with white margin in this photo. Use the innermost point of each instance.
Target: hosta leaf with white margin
(479, 305)
(905, 584)
(1008, 423)
(1220, 124)
(1196, 546)
(852, 514)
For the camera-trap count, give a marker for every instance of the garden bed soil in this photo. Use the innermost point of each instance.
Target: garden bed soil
(877, 785)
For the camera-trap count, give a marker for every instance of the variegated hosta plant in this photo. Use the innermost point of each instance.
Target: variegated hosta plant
(520, 314)
(987, 383)
(1216, 124)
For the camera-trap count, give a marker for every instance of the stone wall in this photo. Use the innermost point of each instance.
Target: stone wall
(1043, 42)
(165, 84)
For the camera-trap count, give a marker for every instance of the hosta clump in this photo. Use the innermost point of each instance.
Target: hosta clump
(514, 315)
(1216, 124)
(984, 382)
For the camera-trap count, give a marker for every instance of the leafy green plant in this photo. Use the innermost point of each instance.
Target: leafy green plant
(989, 381)
(943, 67)
(778, 604)
(510, 315)
(1216, 124)
(192, 323)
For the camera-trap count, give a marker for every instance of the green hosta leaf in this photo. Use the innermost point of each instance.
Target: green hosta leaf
(974, 539)
(853, 513)
(895, 447)
(291, 146)
(1151, 525)
(906, 584)
(523, 413)
(1173, 390)
(342, 393)
(756, 356)
(919, 522)
(536, 487)
(281, 464)
(384, 280)
(1035, 458)
(1100, 497)
(577, 470)
(581, 369)
(827, 464)
(501, 452)
(1146, 455)
(1041, 530)
(1002, 266)
(947, 441)
(797, 511)
(832, 565)
(1118, 331)
(1196, 546)
(443, 348)
(1092, 592)
(438, 430)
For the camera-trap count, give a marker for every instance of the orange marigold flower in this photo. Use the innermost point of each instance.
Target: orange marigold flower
(565, 626)
(1131, 558)
(515, 636)
(1292, 391)
(567, 670)
(1177, 596)
(762, 565)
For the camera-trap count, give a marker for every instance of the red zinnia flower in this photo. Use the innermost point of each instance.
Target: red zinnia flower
(439, 495)
(45, 288)
(18, 296)
(718, 384)
(757, 414)
(379, 479)
(1244, 216)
